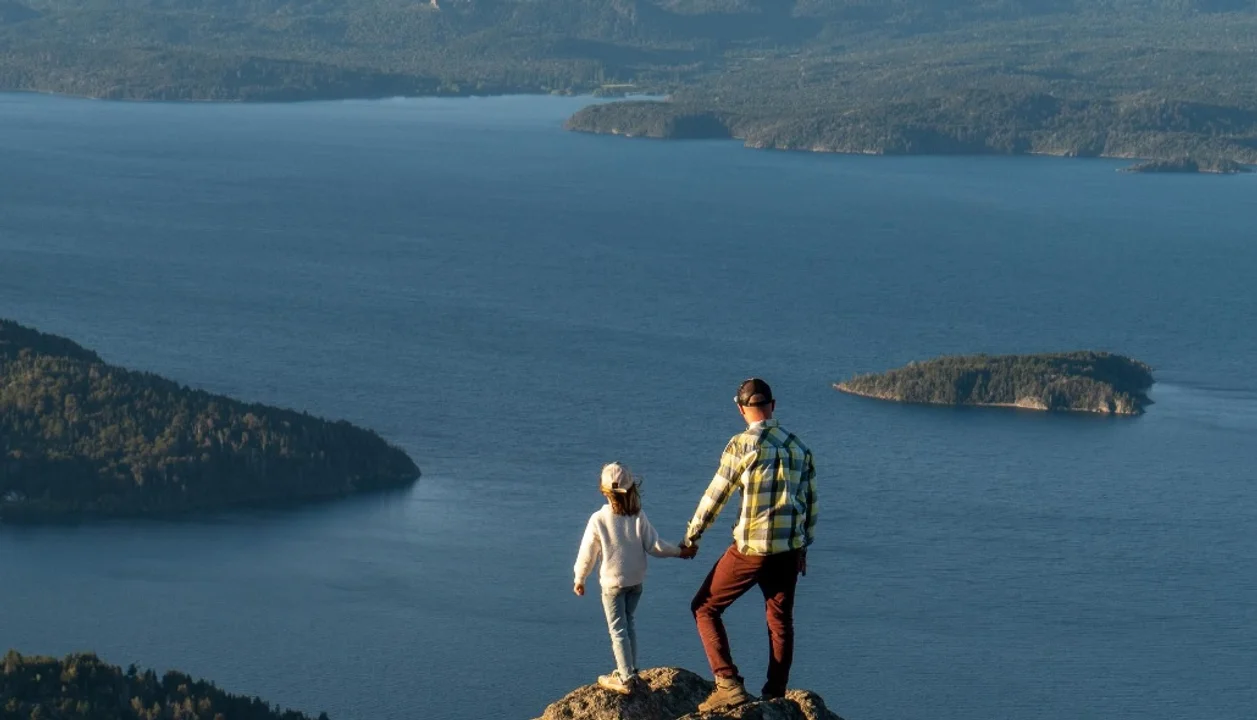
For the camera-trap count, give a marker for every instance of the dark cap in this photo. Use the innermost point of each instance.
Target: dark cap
(754, 393)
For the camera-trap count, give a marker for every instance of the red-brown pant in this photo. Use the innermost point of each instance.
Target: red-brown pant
(733, 575)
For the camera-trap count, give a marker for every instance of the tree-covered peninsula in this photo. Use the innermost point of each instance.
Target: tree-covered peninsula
(1201, 136)
(1189, 166)
(82, 438)
(82, 687)
(1084, 381)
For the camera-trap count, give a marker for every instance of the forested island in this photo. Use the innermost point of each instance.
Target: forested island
(80, 438)
(1086, 381)
(82, 687)
(1139, 79)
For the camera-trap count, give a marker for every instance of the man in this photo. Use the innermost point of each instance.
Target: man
(773, 470)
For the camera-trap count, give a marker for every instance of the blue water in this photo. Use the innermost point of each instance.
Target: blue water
(516, 305)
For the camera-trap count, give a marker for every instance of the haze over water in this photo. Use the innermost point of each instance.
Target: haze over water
(515, 305)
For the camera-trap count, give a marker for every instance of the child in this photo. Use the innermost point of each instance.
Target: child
(620, 532)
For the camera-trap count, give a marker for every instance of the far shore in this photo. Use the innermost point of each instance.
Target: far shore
(594, 99)
(845, 388)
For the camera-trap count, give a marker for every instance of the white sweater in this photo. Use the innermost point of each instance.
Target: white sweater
(623, 541)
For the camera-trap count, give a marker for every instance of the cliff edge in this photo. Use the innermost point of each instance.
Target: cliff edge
(674, 694)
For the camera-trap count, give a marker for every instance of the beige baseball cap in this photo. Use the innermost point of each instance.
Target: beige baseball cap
(616, 478)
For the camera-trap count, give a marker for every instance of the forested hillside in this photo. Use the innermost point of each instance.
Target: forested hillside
(1065, 76)
(82, 687)
(254, 49)
(79, 437)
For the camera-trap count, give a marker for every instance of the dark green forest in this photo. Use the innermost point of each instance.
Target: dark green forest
(82, 687)
(1200, 135)
(1077, 381)
(1132, 78)
(1189, 165)
(82, 438)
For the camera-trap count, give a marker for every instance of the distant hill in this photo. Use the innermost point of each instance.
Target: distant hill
(891, 76)
(82, 687)
(82, 438)
(286, 49)
(1078, 381)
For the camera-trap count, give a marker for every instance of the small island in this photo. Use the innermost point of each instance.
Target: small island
(1085, 381)
(80, 438)
(83, 686)
(1221, 166)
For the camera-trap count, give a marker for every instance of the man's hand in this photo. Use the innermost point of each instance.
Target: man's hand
(579, 589)
(688, 552)
(803, 562)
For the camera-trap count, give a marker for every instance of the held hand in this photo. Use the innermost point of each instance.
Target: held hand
(689, 548)
(803, 562)
(579, 589)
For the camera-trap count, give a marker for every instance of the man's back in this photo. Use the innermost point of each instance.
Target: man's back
(774, 471)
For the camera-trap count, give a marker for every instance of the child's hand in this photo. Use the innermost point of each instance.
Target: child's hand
(579, 589)
(688, 552)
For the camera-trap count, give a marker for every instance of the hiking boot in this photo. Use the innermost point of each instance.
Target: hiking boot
(729, 693)
(770, 696)
(613, 683)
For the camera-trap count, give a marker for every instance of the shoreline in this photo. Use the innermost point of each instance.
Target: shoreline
(597, 100)
(817, 150)
(843, 387)
(313, 99)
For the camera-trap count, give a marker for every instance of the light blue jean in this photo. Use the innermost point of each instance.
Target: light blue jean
(620, 604)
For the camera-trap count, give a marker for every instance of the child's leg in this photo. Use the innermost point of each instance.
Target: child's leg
(613, 603)
(631, 597)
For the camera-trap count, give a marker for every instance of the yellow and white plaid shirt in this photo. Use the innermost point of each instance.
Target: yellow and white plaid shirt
(773, 470)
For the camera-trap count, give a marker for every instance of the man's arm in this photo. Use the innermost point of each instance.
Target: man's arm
(809, 497)
(718, 493)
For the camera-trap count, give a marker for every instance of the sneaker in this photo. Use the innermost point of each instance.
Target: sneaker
(612, 682)
(729, 693)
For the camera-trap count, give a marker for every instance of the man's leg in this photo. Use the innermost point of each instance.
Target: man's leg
(730, 578)
(778, 580)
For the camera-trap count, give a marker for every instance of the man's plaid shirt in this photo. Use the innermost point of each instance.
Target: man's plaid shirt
(773, 470)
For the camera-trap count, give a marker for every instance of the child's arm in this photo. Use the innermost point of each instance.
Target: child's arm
(590, 548)
(654, 544)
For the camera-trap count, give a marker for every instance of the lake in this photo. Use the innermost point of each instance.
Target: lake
(515, 305)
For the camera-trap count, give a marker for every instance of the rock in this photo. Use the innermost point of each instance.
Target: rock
(812, 705)
(674, 694)
(774, 710)
(797, 705)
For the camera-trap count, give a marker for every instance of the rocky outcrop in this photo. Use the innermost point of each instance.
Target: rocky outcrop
(674, 694)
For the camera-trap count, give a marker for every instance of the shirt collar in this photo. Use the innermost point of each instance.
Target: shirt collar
(763, 424)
